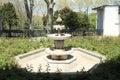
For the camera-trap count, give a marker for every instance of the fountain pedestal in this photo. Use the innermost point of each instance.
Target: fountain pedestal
(59, 44)
(58, 53)
(59, 57)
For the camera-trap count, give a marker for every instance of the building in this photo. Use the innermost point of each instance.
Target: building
(108, 19)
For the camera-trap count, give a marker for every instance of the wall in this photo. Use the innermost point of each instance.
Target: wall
(111, 21)
(100, 16)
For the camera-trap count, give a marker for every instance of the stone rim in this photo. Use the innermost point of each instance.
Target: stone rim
(59, 37)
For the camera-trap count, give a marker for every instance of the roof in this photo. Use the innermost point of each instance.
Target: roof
(117, 3)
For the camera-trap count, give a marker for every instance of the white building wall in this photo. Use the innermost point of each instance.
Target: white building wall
(111, 20)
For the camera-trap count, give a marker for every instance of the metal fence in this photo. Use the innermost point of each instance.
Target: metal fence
(22, 33)
(39, 33)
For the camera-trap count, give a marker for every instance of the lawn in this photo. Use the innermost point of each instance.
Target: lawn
(108, 46)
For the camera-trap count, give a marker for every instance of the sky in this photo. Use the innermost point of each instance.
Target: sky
(41, 10)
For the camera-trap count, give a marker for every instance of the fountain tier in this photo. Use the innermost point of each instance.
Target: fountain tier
(59, 54)
(59, 40)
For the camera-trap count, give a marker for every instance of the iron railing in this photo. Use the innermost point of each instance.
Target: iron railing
(38, 33)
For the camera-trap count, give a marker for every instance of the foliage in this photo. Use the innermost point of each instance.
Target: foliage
(92, 20)
(74, 20)
(109, 46)
(71, 21)
(86, 23)
(44, 19)
(20, 11)
(60, 4)
(64, 12)
(50, 5)
(22, 74)
(29, 12)
(12, 47)
(107, 71)
(8, 14)
(37, 22)
(3, 2)
(69, 18)
(83, 21)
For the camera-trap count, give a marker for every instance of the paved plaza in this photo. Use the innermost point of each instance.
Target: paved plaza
(37, 61)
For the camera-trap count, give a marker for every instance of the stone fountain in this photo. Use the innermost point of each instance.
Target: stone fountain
(58, 52)
(58, 58)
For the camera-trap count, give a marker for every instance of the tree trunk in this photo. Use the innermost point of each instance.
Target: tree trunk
(50, 5)
(29, 12)
(50, 19)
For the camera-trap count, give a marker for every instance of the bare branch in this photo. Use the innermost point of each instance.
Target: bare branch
(53, 5)
(47, 2)
(51, 1)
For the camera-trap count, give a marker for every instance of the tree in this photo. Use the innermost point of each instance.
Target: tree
(87, 5)
(20, 11)
(63, 12)
(44, 19)
(50, 4)
(92, 20)
(40, 7)
(37, 22)
(29, 12)
(3, 2)
(60, 4)
(84, 23)
(78, 4)
(8, 14)
(71, 21)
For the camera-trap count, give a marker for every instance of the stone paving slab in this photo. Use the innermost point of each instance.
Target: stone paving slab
(85, 60)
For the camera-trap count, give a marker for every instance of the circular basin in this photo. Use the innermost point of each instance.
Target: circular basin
(58, 37)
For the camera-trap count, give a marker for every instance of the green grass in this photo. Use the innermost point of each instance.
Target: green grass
(108, 46)
(9, 48)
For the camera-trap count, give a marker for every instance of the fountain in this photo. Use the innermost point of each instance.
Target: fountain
(58, 52)
(58, 57)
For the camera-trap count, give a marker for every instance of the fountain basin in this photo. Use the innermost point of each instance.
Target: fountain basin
(81, 58)
(59, 26)
(67, 61)
(58, 54)
(58, 37)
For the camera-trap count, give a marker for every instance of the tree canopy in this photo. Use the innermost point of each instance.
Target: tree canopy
(74, 20)
(8, 14)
